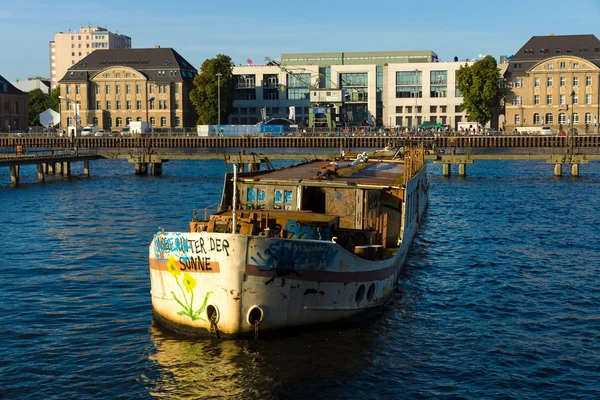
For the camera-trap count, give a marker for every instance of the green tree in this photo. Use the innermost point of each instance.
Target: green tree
(37, 104)
(479, 85)
(53, 101)
(206, 92)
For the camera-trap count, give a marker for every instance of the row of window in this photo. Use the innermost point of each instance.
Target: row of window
(138, 89)
(119, 121)
(162, 105)
(432, 109)
(559, 51)
(549, 118)
(518, 82)
(271, 111)
(562, 99)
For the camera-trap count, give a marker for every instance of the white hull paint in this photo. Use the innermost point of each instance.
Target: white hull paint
(293, 282)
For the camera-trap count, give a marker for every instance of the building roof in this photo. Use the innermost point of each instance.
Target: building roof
(156, 63)
(7, 88)
(32, 84)
(354, 58)
(539, 48)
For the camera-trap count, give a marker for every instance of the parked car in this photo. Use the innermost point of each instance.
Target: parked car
(102, 132)
(125, 131)
(546, 130)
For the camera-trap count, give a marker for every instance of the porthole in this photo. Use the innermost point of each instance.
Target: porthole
(360, 293)
(371, 292)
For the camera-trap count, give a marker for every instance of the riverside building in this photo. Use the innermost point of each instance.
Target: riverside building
(68, 48)
(14, 108)
(553, 81)
(392, 88)
(111, 88)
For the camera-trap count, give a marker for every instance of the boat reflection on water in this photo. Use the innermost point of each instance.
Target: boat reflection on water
(297, 365)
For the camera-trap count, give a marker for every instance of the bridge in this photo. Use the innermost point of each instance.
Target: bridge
(54, 155)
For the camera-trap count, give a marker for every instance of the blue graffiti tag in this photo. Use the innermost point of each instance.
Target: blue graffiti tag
(293, 255)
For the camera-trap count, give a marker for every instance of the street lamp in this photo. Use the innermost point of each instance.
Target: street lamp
(150, 100)
(219, 97)
(70, 101)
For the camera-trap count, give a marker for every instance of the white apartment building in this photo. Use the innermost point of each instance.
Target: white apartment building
(397, 89)
(68, 48)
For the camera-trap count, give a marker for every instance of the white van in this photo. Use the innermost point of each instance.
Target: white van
(546, 130)
(89, 130)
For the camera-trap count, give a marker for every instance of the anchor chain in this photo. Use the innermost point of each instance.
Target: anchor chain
(213, 325)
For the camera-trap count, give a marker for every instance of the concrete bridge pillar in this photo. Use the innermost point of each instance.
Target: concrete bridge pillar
(141, 168)
(446, 169)
(66, 168)
(155, 169)
(14, 175)
(557, 169)
(462, 169)
(58, 168)
(575, 170)
(51, 168)
(40, 171)
(86, 168)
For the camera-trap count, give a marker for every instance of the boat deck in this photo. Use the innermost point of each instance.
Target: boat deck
(372, 174)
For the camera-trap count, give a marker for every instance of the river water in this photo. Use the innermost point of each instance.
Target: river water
(500, 297)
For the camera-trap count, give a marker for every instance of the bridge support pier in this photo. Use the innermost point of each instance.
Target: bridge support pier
(40, 171)
(557, 170)
(14, 175)
(51, 168)
(86, 168)
(446, 169)
(575, 170)
(462, 169)
(141, 168)
(155, 169)
(66, 168)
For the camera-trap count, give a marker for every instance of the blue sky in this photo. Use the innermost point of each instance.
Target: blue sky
(254, 30)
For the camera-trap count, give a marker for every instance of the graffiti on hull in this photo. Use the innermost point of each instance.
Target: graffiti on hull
(292, 255)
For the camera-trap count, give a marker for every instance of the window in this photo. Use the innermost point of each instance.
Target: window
(138, 105)
(549, 118)
(517, 119)
(151, 104)
(536, 99)
(128, 105)
(127, 89)
(575, 118)
(127, 120)
(563, 81)
(117, 75)
(177, 104)
(549, 99)
(588, 99)
(516, 101)
(575, 65)
(562, 118)
(177, 121)
(562, 65)
(119, 121)
(536, 82)
(176, 88)
(575, 99)
(108, 104)
(138, 90)
(95, 121)
(107, 89)
(151, 88)
(588, 118)
(549, 81)
(536, 119)
(561, 99)
(118, 104)
(98, 105)
(575, 81)
(163, 121)
(588, 81)
(549, 66)
(97, 89)
(517, 82)
(118, 89)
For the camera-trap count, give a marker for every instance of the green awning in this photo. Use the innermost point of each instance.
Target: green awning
(429, 124)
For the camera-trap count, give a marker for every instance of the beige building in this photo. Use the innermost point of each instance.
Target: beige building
(68, 48)
(114, 87)
(14, 108)
(402, 88)
(554, 81)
